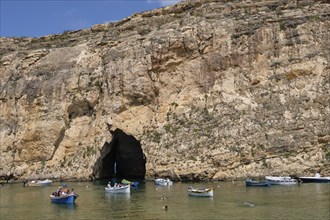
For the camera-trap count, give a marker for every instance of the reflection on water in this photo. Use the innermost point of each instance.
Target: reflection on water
(61, 211)
(230, 201)
(63, 207)
(117, 197)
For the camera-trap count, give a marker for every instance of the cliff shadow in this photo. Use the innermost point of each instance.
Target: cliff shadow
(122, 158)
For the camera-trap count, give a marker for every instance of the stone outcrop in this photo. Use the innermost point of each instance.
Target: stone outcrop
(211, 89)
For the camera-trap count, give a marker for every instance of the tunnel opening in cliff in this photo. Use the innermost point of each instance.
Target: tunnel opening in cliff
(122, 158)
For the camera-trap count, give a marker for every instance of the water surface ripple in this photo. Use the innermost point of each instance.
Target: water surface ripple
(232, 200)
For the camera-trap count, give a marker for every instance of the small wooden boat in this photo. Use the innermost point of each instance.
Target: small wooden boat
(46, 182)
(133, 184)
(163, 182)
(64, 199)
(201, 192)
(250, 182)
(118, 188)
(315, 179)
(281, 180)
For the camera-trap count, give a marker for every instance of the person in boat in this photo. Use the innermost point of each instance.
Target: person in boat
(59, 191)
(113, 181)
(64, 191)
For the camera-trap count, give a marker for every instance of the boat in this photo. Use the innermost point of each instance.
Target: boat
(118, 188)
(250, 182)
(163, 182)
(64, 198)
(46, 182)
(126, 182)
(281, 180)
(315, 179)
(201, 192)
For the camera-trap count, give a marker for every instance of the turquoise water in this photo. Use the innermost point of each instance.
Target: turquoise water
(232, 200)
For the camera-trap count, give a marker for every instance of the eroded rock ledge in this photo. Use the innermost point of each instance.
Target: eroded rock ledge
(212, 90)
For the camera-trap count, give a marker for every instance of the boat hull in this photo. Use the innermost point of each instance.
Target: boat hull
(203, 193)
(281, 180)
(315, 179)
(124, 189)
(39, 183)
(64, 199)
(257, 184)
(163, 182)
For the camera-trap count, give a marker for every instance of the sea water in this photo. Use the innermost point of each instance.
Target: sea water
(232, 200)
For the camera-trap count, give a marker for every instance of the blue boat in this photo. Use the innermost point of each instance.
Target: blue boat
(64, 199)
(256, 183)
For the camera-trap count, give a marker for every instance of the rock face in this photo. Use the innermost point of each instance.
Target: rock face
(211, 89)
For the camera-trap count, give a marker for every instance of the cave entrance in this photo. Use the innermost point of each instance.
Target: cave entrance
(122, 158)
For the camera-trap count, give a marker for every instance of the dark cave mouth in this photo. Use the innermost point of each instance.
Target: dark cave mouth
(122, 158)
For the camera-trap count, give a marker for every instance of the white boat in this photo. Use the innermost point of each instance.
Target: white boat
(118, 188)
(281, 180)
(163, 182)
(315, 179)
(38, 183)
(200, 192)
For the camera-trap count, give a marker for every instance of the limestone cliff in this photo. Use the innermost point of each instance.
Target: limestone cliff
(211, 89)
